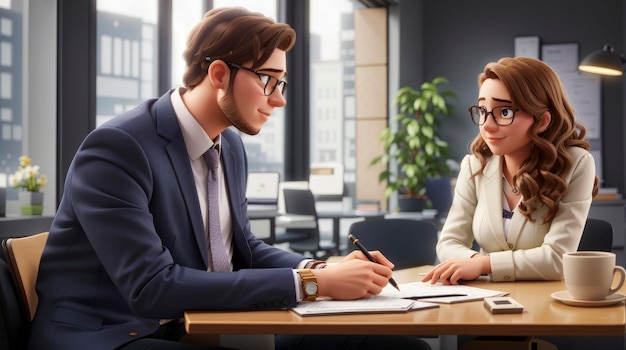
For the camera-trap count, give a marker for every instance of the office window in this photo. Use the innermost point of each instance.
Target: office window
(126, 59)
(266, 149)
(11, 75)
(185, 15)
(332, 102)
(27, 108)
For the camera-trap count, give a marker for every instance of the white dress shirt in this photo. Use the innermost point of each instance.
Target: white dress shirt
(197, 143)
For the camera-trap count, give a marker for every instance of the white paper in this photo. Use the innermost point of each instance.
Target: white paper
(376, 303)
(427, 291)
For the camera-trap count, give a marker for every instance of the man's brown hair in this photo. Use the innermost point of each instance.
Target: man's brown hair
(234, 35)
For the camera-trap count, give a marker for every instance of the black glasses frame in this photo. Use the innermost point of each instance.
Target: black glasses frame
(473, 111)
(281, 84)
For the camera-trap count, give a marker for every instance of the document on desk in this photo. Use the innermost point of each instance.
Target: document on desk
(440, 293)
(377, 303)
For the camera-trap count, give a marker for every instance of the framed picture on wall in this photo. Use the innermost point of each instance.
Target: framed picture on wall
(583, 89)
(527, 46)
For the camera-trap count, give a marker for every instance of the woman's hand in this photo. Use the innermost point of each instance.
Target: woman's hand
(452, 271)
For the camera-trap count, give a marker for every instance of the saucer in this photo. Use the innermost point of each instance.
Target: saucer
(564, 297)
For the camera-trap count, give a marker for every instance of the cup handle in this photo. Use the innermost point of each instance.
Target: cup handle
(622, 274)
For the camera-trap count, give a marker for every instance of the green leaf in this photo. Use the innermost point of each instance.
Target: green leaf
(413, 143)
(428, 131)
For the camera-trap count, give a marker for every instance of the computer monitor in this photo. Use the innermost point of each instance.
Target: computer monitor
(263, 188)
(326, 180)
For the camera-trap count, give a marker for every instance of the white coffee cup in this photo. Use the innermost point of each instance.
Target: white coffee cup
(590, 275)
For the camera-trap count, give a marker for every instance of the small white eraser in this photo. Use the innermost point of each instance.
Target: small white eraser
(503, 305)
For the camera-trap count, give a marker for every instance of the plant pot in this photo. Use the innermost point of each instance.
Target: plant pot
(411, 204)
(31, 203)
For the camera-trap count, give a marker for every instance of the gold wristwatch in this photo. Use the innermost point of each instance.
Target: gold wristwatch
(308, 282)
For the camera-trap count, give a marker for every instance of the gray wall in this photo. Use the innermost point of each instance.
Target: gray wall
(456, 39)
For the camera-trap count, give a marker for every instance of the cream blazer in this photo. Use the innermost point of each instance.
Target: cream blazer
(530, 250)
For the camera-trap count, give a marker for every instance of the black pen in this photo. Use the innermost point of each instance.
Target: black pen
(356, 242)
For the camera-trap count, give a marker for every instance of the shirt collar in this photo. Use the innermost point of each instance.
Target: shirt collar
(196, 140)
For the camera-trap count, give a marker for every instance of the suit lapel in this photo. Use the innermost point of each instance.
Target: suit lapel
(168, 128)
(242, 256)
(231, 175)
(515, 227)
(492, 187)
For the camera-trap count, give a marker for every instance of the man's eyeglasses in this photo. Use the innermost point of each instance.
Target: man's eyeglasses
(269, 82)
(502, 115)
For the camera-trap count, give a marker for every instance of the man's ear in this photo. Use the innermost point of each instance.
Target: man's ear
(218, 74)
(544, 121)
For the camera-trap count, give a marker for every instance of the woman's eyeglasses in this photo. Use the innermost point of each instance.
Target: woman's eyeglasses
(502, 115)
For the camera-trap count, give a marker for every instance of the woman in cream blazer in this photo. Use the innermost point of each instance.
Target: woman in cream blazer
(525, 190)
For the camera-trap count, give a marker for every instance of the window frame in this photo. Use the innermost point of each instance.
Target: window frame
(76, 83)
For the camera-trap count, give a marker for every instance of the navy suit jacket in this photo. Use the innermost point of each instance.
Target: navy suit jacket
(127, 247)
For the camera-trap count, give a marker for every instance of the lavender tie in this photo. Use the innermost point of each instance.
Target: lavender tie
(219, 257)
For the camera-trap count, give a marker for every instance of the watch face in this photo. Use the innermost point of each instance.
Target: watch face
(310, 288)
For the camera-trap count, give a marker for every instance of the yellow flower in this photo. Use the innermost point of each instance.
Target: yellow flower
(24, 160)
(27, 176)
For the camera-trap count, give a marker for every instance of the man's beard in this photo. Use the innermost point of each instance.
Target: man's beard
(233, 115)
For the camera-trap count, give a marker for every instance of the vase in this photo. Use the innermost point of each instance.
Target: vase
(411, 204)
(31, 203)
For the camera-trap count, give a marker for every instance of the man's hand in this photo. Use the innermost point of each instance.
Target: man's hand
(378, 256)
(355, 277)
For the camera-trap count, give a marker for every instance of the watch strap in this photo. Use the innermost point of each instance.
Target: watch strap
(307, 276)
(316, 264)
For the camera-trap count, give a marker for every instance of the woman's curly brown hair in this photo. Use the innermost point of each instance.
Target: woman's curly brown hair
(535, 88)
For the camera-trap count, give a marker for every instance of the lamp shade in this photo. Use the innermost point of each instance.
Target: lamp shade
(604, 62)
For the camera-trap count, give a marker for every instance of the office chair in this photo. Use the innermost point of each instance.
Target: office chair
(18, 298)
(300, 185)
(302, 202)
(13, 318)
(405, 242)
(23, 255)
(597, 235)
(439, 193)
(292, 235)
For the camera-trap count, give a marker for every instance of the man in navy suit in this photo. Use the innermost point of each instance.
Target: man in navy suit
(128, 251)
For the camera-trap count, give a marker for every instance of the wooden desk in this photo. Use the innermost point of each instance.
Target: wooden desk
(542, 316)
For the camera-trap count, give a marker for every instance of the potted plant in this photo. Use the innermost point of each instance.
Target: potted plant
(29, 181)
(415, 146)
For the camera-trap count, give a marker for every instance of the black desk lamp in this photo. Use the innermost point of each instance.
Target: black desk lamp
(605, 62)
